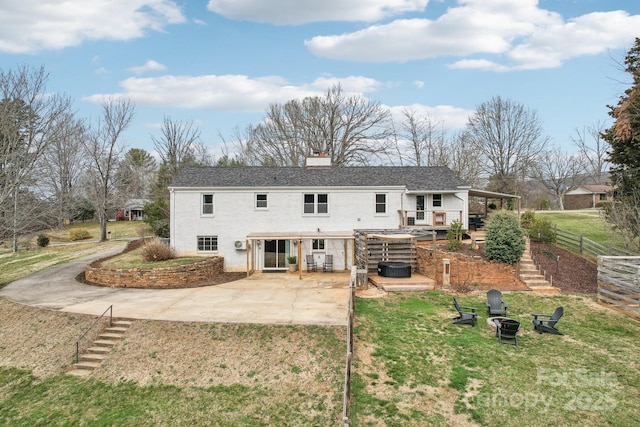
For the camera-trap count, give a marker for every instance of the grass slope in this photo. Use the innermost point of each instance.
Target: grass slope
(414, 367)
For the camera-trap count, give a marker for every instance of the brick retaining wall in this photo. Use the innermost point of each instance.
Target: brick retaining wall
(467, 270)
(181, 276)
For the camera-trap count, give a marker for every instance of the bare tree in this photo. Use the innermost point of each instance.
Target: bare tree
(136, 174)
(178, 146)
(559, 172)
(103, 148)
(27, 125)
(62, 164)
(421, 138)
(507, 137)
(461, 160)
(593, 149)
(349, 128)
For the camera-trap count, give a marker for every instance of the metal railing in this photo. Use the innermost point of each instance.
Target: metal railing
(110, 310)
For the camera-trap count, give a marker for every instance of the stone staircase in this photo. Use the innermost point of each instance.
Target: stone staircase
(530, 275)
(94, 355)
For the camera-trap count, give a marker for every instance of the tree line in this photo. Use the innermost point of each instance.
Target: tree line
(56, 167)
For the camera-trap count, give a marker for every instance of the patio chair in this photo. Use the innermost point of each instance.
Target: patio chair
(548, 324)
(507, 330)
(328, 263)
(466, 315)
(495, 305)
(311, 264)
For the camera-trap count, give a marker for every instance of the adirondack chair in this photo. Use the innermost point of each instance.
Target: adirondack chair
(495, 305)
(466, 315)
(328, 263)
(507, 330)
(547, 323)
(311, 264)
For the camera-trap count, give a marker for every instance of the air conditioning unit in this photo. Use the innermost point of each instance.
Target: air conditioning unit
(240, 245)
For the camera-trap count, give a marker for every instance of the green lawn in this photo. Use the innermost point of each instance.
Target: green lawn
(587, 222)
(31, 258)
(413, 367)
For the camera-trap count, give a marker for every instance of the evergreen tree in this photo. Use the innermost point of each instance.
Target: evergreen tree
(624, 138)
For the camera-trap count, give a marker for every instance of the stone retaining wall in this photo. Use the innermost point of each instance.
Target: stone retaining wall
(181, 276)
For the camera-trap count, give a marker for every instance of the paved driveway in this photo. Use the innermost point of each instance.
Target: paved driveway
(269, 298)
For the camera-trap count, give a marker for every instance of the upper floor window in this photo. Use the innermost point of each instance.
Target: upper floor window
(437, 200)
(316, 203)
(207, 243)
(261, 201)
(381, 203)
(207, 204)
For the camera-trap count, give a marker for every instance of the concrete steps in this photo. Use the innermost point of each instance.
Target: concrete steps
(94, 355)
(530, 275)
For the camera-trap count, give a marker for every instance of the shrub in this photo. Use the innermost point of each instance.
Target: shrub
(160, 228)
(156, 250)
(454, 236)
(492, 206)
(541, 230)
(79, 234)
(504, 239)
(527, 218)
(292, 260)
(42, 241)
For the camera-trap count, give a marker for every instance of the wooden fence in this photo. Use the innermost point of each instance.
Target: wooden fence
(579, 244)
(619, 283)
(356, 276)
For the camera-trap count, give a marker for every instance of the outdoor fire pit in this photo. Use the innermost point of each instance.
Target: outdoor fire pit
(394, 269)
(493, 322)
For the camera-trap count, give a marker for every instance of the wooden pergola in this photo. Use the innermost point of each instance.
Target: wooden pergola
(298, 238)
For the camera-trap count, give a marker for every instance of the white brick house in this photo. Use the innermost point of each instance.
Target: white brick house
(257, 216)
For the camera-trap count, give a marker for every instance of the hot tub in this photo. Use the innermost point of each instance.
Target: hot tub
(394, 269)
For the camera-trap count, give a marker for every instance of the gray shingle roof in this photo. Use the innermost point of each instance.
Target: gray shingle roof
(432, 178)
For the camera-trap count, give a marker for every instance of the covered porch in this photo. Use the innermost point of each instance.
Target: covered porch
(299, 244)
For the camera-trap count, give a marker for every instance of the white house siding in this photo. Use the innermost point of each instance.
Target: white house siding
(235, 216)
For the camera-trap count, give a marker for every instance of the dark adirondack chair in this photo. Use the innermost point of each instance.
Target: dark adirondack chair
(328, 263)
(547, 323)
(507, 330)
(495, 305)
(466, 315)
(311, 264)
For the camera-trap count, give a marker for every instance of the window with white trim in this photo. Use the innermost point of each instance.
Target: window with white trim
(318, 244)
(381, 203)
(207, 204)
(207, 243)
(316, 203)
(261, 201)
(437, 200)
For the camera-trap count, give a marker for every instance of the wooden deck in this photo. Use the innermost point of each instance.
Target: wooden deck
(415, 283)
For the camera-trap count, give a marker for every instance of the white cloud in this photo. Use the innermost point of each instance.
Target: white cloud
(28, 26)
(295, 12)
(478, 64)
(519, 32)
(227, 92)
(419, 84)
(150, 65)
(450, 117)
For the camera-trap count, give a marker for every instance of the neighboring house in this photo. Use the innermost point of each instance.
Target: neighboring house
(587, 196)
(132, 211)
(257, 216)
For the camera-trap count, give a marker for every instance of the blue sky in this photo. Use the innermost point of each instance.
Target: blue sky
(221, 63)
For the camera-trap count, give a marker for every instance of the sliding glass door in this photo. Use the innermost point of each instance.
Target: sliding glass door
(275, 254)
